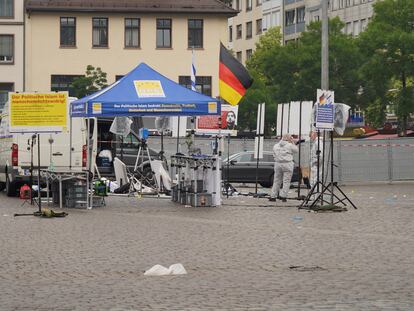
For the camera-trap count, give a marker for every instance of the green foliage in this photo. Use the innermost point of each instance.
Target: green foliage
(259, 92)
(94, 80)
(375, 113)
(388, 45)
(293, 72)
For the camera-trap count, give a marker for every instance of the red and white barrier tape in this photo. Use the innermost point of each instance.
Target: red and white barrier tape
(379, 145)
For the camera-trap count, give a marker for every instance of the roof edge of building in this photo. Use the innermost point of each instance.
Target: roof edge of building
(227, 11)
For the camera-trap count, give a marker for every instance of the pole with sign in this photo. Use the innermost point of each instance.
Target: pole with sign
(325, 110)
(259, 140)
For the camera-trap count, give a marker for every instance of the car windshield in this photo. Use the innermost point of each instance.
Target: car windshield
(248, 157)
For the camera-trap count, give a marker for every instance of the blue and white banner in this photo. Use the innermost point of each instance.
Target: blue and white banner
(150, 109)
(325, 110)
(78, 109)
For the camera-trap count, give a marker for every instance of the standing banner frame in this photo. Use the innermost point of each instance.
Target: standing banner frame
(36, 113)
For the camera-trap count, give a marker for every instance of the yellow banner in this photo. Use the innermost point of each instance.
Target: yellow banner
(38, 110)
(149, 88)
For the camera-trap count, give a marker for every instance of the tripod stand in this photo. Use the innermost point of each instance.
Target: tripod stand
(143, 147)
(326, 190)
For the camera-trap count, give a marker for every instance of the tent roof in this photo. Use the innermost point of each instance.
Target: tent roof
(143, 92)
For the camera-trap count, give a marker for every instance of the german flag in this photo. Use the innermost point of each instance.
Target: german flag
(234, 78)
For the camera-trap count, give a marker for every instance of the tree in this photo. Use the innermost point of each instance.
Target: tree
(293, 72)
(388, 44)
(94, 80)
(259, 92)
(295, 69)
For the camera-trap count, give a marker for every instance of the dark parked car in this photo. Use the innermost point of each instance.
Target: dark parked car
(242, 169)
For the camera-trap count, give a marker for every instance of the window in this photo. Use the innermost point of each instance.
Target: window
(290, 17)
(348, 28)
(347, 3)
(63, 83)
(258, 2)
(5, 88)
(203, 83)
(356, 28)
(230, 33)
(245, 157)
(164, 33)
(132, 35)
(6, 8)
(249, 30)
(249, 54)
(67, 31)
(300, 15)
(258, 26)
(238, 5)
(118, 77)
(248, 5)
(266, 22)
(340, 4)
(100, 32)
(239, 56)
(363, 24)
(6, 49)
(195, 33)
(276, 19)
(238, 31)
(314, 15)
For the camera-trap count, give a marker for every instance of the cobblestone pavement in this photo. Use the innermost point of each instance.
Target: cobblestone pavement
(246, 255)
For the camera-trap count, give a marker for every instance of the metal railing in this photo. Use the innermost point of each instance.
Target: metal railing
(364, 160)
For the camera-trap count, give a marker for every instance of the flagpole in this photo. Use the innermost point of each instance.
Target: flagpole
(193, 87)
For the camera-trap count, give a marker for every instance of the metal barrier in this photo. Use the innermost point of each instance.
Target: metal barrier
(375, 160)
(363, 160)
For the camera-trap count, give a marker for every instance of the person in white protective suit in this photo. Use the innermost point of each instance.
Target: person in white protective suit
(314, 158)
(283, 154)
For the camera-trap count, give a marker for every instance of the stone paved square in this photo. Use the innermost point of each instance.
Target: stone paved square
(238, 256)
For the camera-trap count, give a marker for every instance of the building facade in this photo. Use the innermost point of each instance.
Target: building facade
(291, 16)
(354, 13)
(11, 48)
(63, 38)
(294, 20)
(245, 29)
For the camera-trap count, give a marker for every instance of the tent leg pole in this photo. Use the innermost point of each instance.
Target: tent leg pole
(39, 195)
(178, 134)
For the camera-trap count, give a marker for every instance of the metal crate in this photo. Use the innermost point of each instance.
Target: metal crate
(200, 199)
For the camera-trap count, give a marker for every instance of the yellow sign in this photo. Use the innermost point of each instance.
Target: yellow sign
(97, 108)
(32, 112)
(212, 107)
(149, 88)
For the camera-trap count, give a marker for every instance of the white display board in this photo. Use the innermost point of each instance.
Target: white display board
(259, 131)
(174, 126)
(288, 118)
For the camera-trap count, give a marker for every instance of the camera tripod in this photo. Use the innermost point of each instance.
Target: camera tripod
(314, 196)
(143, 147)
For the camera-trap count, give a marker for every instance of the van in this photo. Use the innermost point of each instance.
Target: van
(64, 151)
